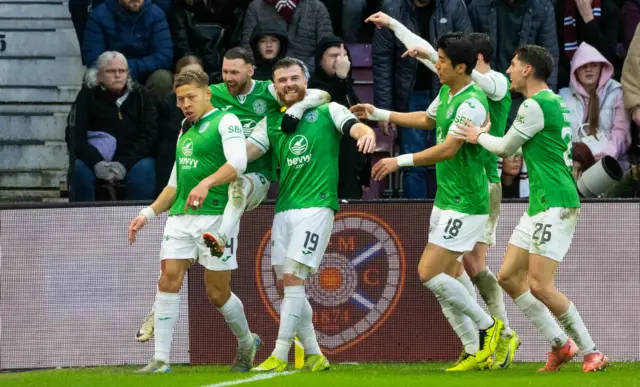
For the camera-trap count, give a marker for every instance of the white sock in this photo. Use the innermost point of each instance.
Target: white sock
(540, 316)
(466, 282)
(574, 326)
(238, 192)
(449, 290)
(165, 319)
(153, 308)
(464, 328)
(233, 313)
(306, 332)
(290, 312)
(491, 293)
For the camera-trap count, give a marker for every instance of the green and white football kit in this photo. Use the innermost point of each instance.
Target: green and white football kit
(461, 207)
(308, 192)
(496, 87)
(216, 139)
(548, 226)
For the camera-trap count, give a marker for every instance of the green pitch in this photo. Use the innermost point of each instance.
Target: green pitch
(365, 375)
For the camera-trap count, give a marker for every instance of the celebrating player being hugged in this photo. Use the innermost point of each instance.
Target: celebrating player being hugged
(496, 87)
(307, 201)
(543, 236)
(460, 215)
(252, 102)
(209, 154)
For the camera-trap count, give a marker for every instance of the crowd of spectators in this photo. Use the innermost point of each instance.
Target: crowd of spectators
(123, 126)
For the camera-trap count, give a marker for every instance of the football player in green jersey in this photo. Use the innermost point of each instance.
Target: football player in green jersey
(307, 201)
(209, 155)
(496, 87)
(252, 101)
(461, 210)
(544, 234)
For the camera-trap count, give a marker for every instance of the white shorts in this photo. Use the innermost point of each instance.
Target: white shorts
(183, 240)
(548, 233)
(260, 189)
(495, 197)
(455, 230)
(302, 235)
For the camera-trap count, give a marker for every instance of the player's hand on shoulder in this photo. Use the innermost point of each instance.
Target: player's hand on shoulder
(384, 167)
(135, 225)
(380, 19)
(470, 132)
(363, 111)
(367, 143)
(289, 123)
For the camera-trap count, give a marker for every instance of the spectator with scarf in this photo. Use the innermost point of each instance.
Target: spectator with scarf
(307, 22)
(596, 22)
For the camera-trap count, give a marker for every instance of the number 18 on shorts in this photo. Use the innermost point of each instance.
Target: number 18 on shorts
(456, 231)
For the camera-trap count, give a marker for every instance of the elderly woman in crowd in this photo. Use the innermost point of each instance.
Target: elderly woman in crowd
(112, 132)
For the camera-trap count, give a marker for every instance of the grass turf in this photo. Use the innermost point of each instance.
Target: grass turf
(368, 375)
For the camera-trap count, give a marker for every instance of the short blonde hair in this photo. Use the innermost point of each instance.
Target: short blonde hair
(192, 77)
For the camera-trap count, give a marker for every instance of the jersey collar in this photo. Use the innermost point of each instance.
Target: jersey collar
(243, 97)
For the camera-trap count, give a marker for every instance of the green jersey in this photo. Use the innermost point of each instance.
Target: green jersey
(251, 109)
(543, 121)
(308, 158)
(199, 154)
(462, 181)
(498, 114)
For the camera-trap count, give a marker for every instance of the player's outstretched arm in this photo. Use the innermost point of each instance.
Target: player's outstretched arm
(418, 120)
(235, 151)
(347, 124)
(529, 121)
(417, 47)
(365, 137)
(493, 84)
(160, 205)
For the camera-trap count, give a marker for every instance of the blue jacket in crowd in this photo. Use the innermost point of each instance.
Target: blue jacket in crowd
(143, 37)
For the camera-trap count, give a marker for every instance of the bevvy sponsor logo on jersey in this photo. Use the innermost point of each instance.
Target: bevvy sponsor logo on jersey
(298, 147)
(357, 286)
(187, 150)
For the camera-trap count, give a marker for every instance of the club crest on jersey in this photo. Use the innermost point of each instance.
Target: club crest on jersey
(450, 112)
(187, 147)
(259, 106)
(311, 116)
(357, 286)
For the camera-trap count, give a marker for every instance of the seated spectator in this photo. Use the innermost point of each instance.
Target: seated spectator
(112, 131)
(203, 28)
(630, 19)
(594, 98)
(596, 22)
(139, 30)
(333, 75)
(306, 22)
(269, 44)
(170, 119)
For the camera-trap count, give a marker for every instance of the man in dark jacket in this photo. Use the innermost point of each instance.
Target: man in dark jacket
(112, 132)
(333, 75)
(402, 85)
(307, 22)
(139, 30)
(596, 22)
(512, 23)
(269, 44)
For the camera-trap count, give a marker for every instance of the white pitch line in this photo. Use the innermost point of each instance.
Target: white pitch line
(255, 378)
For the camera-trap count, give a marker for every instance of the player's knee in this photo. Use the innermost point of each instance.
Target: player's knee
(218, 295)
(424, 274)
(540, 290)
(506, 281)
(170, 281)
(280, 288)
(295, 273)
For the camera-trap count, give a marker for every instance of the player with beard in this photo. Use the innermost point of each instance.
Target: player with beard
(210, 154)
(307, 201)
(251, 101)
